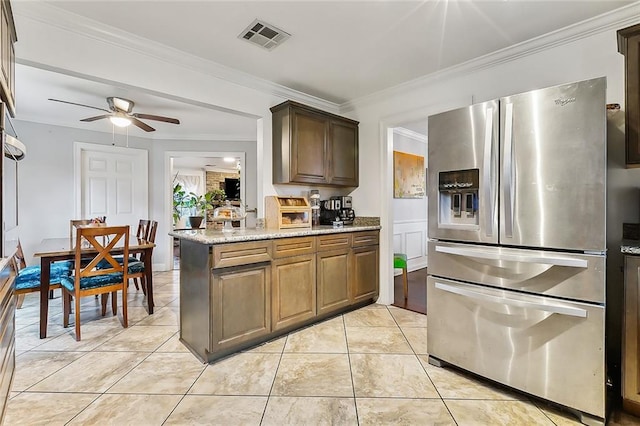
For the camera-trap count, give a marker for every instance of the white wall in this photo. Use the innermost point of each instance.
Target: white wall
(45, 193)
(410, 214)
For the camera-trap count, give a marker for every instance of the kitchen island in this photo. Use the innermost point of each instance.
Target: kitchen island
(242, 288)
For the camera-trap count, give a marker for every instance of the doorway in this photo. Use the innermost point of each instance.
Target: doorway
(203, 171)
(408, 213)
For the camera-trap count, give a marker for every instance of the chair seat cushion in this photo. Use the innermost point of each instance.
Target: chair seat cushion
(29, 277)
(104, 264)
(136, 267)
(91, 282)
(399, 260)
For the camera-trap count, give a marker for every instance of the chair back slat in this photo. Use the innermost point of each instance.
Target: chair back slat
(18, 259)
(112, 235)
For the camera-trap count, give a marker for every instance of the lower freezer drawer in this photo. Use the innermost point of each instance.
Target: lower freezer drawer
(547, 347)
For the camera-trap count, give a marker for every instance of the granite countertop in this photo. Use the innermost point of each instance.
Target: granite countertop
(630, 247)
(210, 236)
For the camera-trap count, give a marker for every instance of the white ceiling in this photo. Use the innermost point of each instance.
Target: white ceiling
(338, 51)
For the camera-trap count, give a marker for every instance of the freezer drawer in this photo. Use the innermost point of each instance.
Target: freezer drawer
(567, 275)
(543, 346)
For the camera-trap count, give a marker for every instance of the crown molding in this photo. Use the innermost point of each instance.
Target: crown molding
(204, 137)
(614, 20)
(410, 134)
(84, 27)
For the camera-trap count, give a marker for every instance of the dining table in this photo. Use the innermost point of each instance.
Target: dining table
(62, 249)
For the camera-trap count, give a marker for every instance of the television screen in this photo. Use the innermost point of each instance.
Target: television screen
(232, 188)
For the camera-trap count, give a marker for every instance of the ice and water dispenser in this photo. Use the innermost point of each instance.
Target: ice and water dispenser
(458, 192)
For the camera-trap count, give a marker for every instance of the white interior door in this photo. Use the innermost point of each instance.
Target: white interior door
(112, 182)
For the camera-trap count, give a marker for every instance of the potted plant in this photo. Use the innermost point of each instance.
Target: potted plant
(199, 205)
(180, 198)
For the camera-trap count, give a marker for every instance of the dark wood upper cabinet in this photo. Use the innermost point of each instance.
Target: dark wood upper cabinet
(313, 147)
(629, 46)
(7, 57)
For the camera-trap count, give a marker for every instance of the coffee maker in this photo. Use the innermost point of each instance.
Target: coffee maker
(336, 211)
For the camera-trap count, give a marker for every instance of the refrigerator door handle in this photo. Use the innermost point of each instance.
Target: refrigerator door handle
(510, 257)
(487, 172)
(508, 171)
(547, 307)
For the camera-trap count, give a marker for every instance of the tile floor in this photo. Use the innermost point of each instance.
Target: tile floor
(367, 367)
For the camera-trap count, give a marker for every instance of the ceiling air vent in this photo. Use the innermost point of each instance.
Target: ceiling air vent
(264, 35)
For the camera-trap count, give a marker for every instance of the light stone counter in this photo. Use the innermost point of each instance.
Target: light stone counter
(630, 247)
(210, 236)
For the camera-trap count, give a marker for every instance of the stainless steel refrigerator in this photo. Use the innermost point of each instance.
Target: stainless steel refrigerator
(517, 246)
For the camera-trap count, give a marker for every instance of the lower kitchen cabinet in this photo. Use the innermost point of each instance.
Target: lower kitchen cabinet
(239, 294)
(241, 305)
(293, 294)
(333, 280)
(631, 337)
(365, 273)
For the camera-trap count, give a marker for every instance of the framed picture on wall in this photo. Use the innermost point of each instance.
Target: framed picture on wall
(409, 175)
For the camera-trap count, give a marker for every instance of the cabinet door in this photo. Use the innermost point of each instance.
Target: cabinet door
(241, 305)
(333, 280)
(631, 337)
(365, 273)
(629, 46)
(308, 146)
(294, 290)
(343, 153)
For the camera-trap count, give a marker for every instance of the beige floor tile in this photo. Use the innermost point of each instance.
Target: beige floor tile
(34, 366)
(565, 418)
(92, 337)
(406, 318)
(377, 340)
(313, 375)
(140, 338)
(28, 337)
(45, 408)
(173, 345)
(455, 384)
(94, 372)
(272, 347)
(162, 299)
(247, 373)
(389, 411)
(120, 410)
(482, 413)
(221, 410)
(417, 338)
(371, 317)
(618, 418)
(386, 375)
(307, 411)
(326, 337)
(162, 316)
(161, 373)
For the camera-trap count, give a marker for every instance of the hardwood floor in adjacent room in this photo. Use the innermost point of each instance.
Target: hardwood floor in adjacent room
(417, 297)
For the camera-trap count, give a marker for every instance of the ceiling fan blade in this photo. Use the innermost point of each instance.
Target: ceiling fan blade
(82, 105)
(140, 124)
(97, 117)
(157, 118)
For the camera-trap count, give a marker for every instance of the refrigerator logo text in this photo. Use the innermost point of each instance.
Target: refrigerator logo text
(565, 101)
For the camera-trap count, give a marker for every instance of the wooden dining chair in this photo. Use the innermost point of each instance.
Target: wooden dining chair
(146, 231)
(136, 270)
(28, 277)
(87, 280)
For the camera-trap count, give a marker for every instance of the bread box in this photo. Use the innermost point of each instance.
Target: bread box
(286, 212)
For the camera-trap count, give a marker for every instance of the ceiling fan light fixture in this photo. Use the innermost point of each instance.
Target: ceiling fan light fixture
(120, 120)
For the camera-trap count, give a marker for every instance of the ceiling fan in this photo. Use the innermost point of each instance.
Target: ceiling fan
(120, 114)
